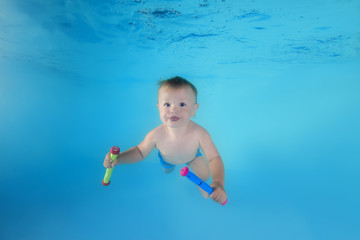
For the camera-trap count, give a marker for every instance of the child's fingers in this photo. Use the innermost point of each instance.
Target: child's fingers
(219, 199)
(222, 199)
(107, 162)
(217, 196)
(213, 195)
(111, 163)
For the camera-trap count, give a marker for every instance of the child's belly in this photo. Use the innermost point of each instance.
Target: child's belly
(180, 151)
(178, 156)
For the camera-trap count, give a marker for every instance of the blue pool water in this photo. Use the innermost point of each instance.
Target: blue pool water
(278, 91)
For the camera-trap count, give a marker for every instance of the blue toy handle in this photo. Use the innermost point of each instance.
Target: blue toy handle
(185, 172)
(195, 179)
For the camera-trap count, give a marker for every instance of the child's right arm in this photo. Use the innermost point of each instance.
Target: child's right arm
(134, 154)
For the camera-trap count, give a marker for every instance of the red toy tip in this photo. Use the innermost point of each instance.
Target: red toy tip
(105, 184)
(115, 150)
(184, 171)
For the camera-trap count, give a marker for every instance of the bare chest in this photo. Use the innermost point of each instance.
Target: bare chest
(178, 151)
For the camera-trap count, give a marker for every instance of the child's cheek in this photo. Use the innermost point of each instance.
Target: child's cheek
(163, 114)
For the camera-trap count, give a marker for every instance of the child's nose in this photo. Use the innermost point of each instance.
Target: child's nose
(173, 109)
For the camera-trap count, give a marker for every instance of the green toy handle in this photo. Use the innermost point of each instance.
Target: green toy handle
(114, 152)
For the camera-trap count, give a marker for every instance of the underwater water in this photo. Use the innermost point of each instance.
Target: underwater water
(278, 85)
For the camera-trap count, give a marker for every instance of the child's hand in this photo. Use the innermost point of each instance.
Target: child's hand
(218, 194)
(108, 163)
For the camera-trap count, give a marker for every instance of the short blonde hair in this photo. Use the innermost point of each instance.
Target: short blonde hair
(178, 82)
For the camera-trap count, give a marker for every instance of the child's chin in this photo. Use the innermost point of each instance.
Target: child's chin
(174, 124)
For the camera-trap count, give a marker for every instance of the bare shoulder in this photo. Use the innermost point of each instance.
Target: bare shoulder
(155, 134)
(150, 141)
(200, 131)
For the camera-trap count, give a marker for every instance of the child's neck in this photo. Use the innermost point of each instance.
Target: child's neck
(178, 132)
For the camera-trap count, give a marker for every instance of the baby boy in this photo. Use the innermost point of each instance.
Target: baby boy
(179, 139)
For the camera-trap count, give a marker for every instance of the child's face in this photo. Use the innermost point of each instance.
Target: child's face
(176, 106)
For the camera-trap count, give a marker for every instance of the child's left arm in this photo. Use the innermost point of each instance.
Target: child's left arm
(216, 167)
(218, 176)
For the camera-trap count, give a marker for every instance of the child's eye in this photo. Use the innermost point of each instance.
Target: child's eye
(182, 104)
(166, 105)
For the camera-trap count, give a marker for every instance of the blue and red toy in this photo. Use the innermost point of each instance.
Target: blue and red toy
(195, 179)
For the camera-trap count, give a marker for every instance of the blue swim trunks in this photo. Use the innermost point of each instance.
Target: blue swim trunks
(169, 165)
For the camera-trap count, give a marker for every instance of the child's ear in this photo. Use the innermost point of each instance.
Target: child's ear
(196, 106)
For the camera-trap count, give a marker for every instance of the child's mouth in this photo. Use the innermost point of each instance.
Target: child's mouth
(174, 118)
